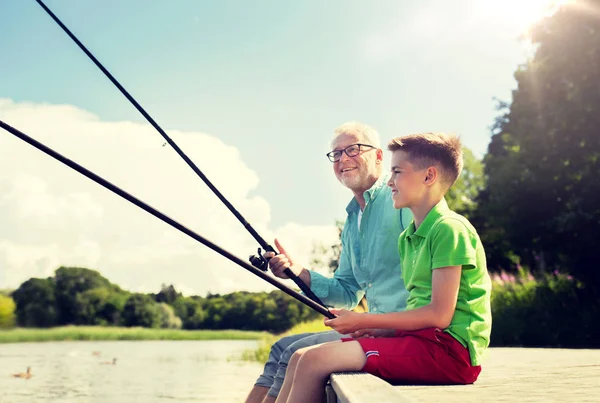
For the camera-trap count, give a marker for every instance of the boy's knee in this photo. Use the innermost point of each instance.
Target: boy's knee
(309, 357)
(297, 355)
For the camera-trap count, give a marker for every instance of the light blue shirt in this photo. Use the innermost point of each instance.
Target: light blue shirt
(369, 261)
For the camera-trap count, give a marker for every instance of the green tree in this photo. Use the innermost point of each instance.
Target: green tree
(542, 198)
(70, 282)
(274, 311)
(112, 312)
(141, 310)
(190, 310)
(167, 294)
(462, 196)
(168, 319)
(7, 312)
(99, 306)
(88, 306)
(36, 303)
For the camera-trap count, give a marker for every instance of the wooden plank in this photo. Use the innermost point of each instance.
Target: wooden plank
(360, 387)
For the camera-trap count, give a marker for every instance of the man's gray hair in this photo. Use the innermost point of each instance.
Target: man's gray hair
(366, 133)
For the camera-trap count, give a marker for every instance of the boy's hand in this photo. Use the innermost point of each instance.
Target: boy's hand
(346, 321)
(371, 333)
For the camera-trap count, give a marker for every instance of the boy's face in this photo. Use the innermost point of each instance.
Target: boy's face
(406, 182)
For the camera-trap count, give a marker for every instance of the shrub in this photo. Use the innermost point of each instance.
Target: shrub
(553, 311)
(168, 319)
(7, 312)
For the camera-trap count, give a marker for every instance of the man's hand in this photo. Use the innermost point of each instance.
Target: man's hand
(346, 321)
(278, 263)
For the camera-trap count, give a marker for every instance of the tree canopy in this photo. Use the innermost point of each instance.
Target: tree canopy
(81, 296)
(543, 185)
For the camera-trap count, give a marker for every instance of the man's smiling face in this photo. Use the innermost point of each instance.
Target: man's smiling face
(356, 172)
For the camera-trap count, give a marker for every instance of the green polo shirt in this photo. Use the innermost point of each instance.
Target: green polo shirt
(444, 239)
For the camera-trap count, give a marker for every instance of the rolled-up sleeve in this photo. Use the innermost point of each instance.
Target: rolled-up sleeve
(341, 291)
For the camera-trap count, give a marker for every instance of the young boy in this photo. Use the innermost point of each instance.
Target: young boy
(443, 334)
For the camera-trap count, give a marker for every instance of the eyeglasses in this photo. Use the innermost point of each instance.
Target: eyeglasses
(351, 151)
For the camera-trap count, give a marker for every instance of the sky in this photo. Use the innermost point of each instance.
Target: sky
(252, 92)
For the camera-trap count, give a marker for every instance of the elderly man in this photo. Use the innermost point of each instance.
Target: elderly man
(369, 263)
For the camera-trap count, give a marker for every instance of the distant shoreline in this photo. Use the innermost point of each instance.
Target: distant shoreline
(106, 333)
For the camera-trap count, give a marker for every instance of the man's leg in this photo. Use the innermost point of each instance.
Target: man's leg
(310, 340)
(315, 364)
(265, 380)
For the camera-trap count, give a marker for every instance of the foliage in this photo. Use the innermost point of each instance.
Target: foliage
(554, 311)
(112, 311)
(189, 309)
(542, 200)
(90, 299)
(36, 303)
(274, 311)
(69, 283)
(462, 196)
(168, 319)
(99, 306)
(88, 306)
(7, 312)
(167, 294)
(142, 310)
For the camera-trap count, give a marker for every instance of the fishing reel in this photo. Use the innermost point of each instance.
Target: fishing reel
(259, 261)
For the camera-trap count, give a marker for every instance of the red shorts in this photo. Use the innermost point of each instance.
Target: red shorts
(427, 356)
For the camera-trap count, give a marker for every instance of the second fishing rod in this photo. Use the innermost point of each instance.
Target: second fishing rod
(257, 260)
(163, 217)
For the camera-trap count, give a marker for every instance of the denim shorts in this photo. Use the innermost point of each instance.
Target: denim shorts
(281, 352)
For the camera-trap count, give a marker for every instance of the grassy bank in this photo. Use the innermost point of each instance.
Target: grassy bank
(97, 333)
(262, 352)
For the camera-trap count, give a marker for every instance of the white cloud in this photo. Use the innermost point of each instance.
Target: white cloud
(51, 215)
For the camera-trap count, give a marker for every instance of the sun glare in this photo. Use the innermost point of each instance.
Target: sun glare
(519, 13)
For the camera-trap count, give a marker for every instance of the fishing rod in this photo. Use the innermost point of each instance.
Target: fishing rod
(257, 260)
(113, 188)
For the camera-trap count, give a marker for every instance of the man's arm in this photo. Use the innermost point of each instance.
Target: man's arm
(342, 290)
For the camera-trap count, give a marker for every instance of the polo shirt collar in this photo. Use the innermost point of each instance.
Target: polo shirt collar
(369, 194)
(436, 212)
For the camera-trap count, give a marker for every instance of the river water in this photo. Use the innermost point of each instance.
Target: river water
(145, 371)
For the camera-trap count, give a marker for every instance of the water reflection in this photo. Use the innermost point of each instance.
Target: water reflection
(145, 371)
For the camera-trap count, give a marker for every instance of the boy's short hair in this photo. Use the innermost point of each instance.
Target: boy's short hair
(432, 149)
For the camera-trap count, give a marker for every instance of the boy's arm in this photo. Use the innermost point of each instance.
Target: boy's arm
(453, 250)
(438, 313)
